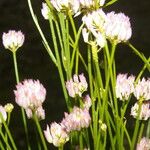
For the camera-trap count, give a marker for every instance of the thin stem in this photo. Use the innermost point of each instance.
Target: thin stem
(41, 33)
(59, 65)
(4, 139)
(40, 131)
(8, 133)
(140, 55)
(22, 110)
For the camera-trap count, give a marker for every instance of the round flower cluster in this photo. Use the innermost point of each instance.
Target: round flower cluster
(77, 85)
(141, 111)
(111, 26)
(144, 144)
(30, 95)
(124, 86)
(56, 134)
(77, 119)
(13, 40)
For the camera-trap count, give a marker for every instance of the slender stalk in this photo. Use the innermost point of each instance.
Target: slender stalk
(8, 133)
(59, 64)
(22, 110)
(148, 129)
(1, 145)
(41, 33)
(5, 140)
(140, 55)
(40, 131)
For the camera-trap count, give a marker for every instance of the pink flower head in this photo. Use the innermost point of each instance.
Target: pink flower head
(144, 109)
(124, 86)
(13, 40)
(144, 144)
(30, 95)
(77, 119)
(77, 85)
(142, 89)
(56, 134)
(3, 114)
(118, 27)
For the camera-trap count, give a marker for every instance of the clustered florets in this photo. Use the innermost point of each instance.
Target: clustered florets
(78, 118)
(30, 95)
(113, 26)
(125, 86)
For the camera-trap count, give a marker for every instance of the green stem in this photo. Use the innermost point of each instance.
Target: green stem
(1, 145)
(140, 55)
(8, 133)
(5, 140)
(59, 64)
(148, 129)
(22, 110)
(40, 131)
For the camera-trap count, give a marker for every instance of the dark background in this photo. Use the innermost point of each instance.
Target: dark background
(33, 61)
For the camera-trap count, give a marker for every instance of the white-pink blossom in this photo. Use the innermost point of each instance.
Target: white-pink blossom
(141, 112)
(142, 89)
(144, 144)
(77, 85)
(30, 94)
(76, 120)
(94, 23)
(56, 134)
(13, 40)
(118, 27)
(124, 86)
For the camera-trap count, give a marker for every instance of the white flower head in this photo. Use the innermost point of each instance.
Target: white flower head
(94, 23)
(118, 27)
(3, 114)
(56, 134)
(141, 112)
(142, 89)
(13, 40)
(124, 86)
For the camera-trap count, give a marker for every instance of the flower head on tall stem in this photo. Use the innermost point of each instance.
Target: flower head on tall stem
(77, 85)
(144, 144)
(30, 94)
(56, 134)
(142, 89)
(13, 40)
(124, 86)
